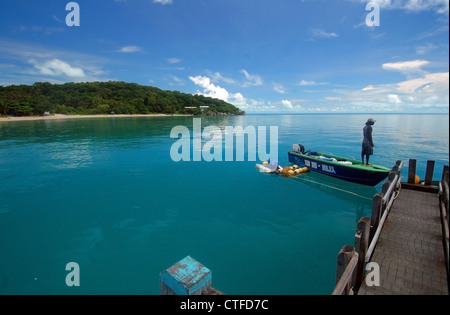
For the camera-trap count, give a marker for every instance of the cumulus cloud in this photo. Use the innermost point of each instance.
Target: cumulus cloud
(215, 91)
(428, 90)
(287, 104)
(406, 66)
(430, 83)
(394, 98)
(57, 67)
(210, 89)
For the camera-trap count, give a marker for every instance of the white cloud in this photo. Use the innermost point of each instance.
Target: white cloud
(32, 63)
(368, 88)
(287, 104)
(215, 91)
(176, 81)
(406, 66)
(129, 49)
(439, 6)
(252, 79)
(419, 94)
(57, 19)
(279, 88)
(57, 67)
(394, 98)
(430, 83)
(218, 77)
(316, 32)
(310, 83)
(424, 49)
(163, 2)
(210, 89)
(173, 60)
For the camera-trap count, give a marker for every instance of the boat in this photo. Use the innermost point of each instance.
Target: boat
(344, 168)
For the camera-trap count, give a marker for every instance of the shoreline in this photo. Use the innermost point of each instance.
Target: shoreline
(62, 116)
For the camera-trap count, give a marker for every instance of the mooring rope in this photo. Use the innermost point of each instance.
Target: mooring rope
(333, 187)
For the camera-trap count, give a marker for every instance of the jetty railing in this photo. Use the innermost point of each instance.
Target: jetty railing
(351, 260)
(443, 205)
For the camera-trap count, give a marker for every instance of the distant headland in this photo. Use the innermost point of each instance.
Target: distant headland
(44, 99)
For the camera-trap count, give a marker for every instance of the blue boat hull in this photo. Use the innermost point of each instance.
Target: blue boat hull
(355, 172)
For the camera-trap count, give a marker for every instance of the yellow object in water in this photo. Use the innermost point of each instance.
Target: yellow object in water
(265, 163)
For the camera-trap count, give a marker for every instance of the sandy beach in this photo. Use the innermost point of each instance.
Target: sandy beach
(61, 116)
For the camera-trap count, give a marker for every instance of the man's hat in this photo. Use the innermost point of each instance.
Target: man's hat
(371, 121)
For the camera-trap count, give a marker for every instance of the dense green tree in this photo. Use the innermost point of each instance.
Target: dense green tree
(104, 98)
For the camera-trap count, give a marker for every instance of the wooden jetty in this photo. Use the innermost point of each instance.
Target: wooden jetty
(403, 249)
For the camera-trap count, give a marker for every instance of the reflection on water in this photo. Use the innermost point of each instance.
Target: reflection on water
(69, 155)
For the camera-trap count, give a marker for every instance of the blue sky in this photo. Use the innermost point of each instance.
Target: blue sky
(290, 56)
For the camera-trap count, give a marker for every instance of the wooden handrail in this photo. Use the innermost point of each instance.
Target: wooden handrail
(386, 204)
(352, 260)
(443, 206)
(343, 285)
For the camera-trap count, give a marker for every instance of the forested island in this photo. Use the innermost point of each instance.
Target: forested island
(94, 98)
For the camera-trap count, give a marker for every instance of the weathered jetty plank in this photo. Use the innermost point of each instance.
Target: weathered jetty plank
(410, 250)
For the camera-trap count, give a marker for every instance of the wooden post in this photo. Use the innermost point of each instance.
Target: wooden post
(186, 277)
(343, 259)
(396, 168)
(361, 245)
(412, 171)
(445, 173)
(376, 214)
(386, 185)
(429, 173)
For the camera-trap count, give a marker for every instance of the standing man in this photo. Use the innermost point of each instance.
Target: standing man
(367, 144)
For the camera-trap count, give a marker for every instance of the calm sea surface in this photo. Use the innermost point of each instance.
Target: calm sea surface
(105, 193)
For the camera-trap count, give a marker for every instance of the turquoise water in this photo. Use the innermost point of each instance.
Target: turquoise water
(106, 194)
